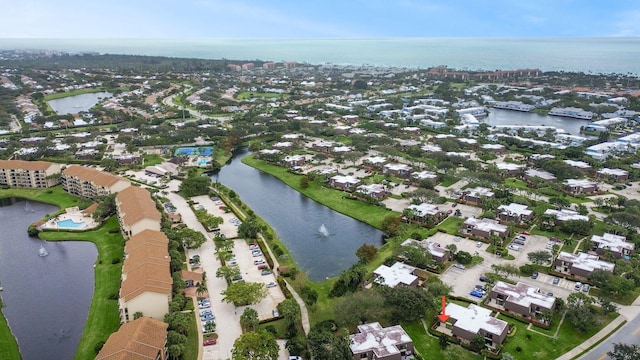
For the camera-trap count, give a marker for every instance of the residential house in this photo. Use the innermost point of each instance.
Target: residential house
(533, 175)
(424, 213)
(344, 182)
(617, 175)
(398, 274)
(375, 342)
(485, 228)
(397, 169)
(510, 169)
(465, 323)
(581, 264)
(136, 211)
(521, 299)
(475, 195)
(374, 162)
(418, 176)
(29, 174)
(578, 187)
(580, 165)
(438, 253)
(294, 160)
(91, 183)
(516, 213)
(614, 244)
(563, 215)
(376, 191)
(140, 339)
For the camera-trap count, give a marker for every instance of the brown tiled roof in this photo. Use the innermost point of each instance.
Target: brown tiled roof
(191, 275)
(24, 165)
(135, 204)
(146, 254)
(145, 238)
(95, 176)
(147, 277)
(140, 339)
(90, 210)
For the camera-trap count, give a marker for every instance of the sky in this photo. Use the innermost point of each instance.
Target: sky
(317, 19)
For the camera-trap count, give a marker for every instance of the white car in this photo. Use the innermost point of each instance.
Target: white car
(271, 284)
(514, 247)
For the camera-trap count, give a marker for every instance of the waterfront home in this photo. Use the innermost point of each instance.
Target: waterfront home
(571, 112)
(521, 299)
(91, 183)
(294, 160)
(424, 213)
(29, 174)
(484, 228)
(344, 182)
(474, 196)
(376, 191)
(438, 253)
(618, 175)
(580, 264)
(466, 323)
(398, 274)
(617, 245)
(513, 105)
(516, 213)
(136, 211)
(578, 187)
(144, 338)
(375, 342)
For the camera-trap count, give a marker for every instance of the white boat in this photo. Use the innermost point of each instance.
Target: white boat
(42, 251)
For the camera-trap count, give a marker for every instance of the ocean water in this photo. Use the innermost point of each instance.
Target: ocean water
(589, 55)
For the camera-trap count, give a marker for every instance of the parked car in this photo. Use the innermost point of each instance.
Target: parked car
(484, 279)
(534, 275)
(454, 204)
(266, 272)
(549, 294)
(585, 287)
(577, 286)
(256, 253)
(459, 266)
(271, 284)
(477, 294)
(556, 280)
(518, 242)
(514, 247)
(525, 233)
(263, 266)
(479, 244)
(258, 262)
(208, 342)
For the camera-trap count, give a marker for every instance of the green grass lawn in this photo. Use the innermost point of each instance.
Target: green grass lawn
(191, 346)
(8, 344)
(103, 316)
(54, 196)
(335, 199)
(429, 348)
(244, 95)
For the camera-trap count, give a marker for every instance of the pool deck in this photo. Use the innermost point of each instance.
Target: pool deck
(73, 214)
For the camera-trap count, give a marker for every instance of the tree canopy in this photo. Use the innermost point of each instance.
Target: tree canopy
(244, 293)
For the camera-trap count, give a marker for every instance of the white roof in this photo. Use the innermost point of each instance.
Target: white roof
(479, 192)
(614, 172)
(474, 318)
(584, 183)
(398, 274)
(586, 261)
(508, 166)
(397, 166)
(545, 175)
(515, 209)
(578, 164)
(382, 341)
(613, 242)
(424, 209)
(424, 175)
(566, 215)
(524, 295)
(486, 225)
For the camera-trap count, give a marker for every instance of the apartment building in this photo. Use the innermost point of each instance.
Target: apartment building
(29, 174)
(91, 183)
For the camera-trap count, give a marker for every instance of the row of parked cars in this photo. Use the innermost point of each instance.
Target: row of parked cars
(206, 316)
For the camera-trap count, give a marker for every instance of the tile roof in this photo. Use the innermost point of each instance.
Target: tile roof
(92, 175)
(135, 204)
(24, 165)
(147, 277)
(140, 339)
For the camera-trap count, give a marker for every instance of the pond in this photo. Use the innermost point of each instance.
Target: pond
(46, 298)
(323, 242)
(77, 103)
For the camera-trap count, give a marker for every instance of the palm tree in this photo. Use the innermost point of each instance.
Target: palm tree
(201, 289)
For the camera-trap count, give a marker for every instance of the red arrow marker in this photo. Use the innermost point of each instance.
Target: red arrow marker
(443, 317)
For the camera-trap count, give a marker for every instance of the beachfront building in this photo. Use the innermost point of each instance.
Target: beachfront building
(521, 299)
(91, 183)
(617, 245)
(580, 264)
(146, 278)
(375, 342)
(29, 174)
(466, 323)
(578, 187)
(484, 228)
(516, 213)
(136, 211)
(398, 274)
(141, 339)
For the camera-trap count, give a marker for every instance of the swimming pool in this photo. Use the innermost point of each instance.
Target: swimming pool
(70, 224)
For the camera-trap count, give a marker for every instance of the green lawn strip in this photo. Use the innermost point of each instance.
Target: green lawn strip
(335, 199)
(191, 346)
(428, 346)
(8, 345)
(599, 341)
(538, 346)
(55, 196)
(103, 318)
(244, 95)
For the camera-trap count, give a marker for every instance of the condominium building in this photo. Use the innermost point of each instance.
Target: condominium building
(29, 174)
(91, 183)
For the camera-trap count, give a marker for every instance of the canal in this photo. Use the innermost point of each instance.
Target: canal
(46, 298)
(323, 242)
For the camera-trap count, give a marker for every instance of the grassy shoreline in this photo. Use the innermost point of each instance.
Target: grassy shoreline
(9, 349)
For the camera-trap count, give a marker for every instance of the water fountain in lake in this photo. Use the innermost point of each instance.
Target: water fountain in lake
(323, 231)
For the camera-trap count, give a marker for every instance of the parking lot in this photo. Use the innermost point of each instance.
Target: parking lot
(464, 281)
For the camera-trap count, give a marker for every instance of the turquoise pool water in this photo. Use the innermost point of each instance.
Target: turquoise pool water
(203, 162)
(70, 224)
(191, 151)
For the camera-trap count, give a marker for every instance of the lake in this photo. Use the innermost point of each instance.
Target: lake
(46, 298)
(320, 252)
(77, 103)
(509, 117)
